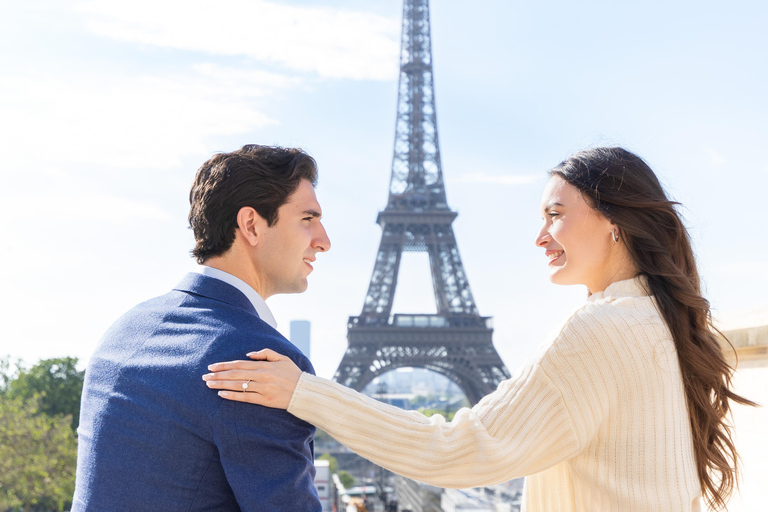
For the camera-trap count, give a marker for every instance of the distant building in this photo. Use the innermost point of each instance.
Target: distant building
(323, 481)
(748, 332)
(300, 336)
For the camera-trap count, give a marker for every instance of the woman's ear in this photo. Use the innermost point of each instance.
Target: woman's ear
(615, 233)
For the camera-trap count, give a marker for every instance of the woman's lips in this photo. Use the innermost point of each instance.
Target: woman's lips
(554, 255)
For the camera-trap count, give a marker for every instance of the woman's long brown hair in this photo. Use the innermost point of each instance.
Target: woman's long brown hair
(622, 187)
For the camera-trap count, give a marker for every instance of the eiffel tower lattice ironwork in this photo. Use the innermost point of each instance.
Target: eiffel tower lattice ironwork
(457, 341)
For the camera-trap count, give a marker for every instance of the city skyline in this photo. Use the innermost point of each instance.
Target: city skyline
(110, 107)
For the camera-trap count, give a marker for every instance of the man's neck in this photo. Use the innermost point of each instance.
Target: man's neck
(249, 291)
(235, 267)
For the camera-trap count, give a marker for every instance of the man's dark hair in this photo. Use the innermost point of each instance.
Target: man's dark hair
(261, 177)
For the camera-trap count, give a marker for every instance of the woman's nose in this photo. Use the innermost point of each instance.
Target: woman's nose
(542, 238)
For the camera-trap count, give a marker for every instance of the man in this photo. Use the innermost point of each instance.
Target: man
(152, 436)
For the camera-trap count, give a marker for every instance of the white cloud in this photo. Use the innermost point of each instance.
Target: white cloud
(39, 229)
(501, 179)
(714, 158)
(248, 82)
(55, 208)
(333, 43)
(127, 121)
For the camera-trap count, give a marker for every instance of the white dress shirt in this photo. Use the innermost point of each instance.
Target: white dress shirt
(258, 303)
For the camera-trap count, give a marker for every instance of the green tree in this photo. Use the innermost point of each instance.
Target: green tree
(333, 464)
(38, 456)
(56, 382)
(347, 480)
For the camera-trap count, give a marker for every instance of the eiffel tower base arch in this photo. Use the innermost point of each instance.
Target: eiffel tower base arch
(465, 355)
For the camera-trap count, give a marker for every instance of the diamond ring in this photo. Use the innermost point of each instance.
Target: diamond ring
(245, 385)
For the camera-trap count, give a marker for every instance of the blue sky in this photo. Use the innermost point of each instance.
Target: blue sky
(109, 107)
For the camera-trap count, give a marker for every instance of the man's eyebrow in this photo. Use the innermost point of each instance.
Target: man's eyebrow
(311, 213)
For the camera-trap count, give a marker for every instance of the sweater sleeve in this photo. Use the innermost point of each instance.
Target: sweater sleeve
(520, 429)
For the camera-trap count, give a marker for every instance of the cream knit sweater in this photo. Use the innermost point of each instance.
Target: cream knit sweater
(596, 420)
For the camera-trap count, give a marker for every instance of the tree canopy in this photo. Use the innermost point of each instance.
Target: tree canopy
(56, 382)
(38, 456)
(39, 413)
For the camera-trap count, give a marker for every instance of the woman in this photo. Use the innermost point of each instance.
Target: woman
(623, 409)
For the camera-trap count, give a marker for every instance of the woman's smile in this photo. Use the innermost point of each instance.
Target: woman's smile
(553, 255)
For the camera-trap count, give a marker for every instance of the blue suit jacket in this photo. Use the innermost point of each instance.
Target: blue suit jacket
(153, 437)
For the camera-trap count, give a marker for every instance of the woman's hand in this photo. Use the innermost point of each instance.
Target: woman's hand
(269, 380)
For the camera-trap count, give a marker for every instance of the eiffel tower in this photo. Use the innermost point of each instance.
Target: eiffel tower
(456, 342)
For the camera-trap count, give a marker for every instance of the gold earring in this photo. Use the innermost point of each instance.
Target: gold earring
(615, 236)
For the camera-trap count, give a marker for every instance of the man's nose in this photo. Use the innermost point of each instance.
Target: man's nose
(322, 243)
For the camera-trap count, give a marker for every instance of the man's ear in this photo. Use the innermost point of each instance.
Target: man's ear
(251, 225)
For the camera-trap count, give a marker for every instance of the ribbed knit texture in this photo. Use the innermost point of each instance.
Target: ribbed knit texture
(596, 420)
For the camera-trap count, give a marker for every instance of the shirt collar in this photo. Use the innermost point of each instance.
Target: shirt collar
(258, 303)
(635, 287)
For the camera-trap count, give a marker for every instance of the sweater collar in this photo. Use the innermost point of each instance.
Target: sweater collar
(635, 287)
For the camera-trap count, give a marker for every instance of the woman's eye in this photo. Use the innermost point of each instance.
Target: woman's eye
(552, 215)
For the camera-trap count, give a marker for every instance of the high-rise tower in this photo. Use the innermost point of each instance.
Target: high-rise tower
(300, 336)
(457, 341)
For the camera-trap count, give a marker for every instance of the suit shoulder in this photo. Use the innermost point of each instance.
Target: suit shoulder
(249, 333)
(145, 316)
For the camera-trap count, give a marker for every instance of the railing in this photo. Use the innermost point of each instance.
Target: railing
(422, 321)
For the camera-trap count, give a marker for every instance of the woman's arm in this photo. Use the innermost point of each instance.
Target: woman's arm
(520, 429)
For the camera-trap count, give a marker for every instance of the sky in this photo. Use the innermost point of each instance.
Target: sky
(107, 109)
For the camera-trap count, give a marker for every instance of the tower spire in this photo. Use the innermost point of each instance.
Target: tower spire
(417, 216)
(457, 340)
(417, 175)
